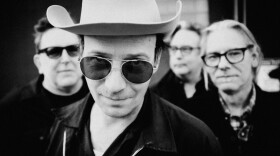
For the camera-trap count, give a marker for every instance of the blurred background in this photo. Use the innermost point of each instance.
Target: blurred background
(19, 16)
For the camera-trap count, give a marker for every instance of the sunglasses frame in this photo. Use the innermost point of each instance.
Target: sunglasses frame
(121, 68)
(46, 50)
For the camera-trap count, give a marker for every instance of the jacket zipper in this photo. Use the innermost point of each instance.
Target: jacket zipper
(137, 151)
(64, 143)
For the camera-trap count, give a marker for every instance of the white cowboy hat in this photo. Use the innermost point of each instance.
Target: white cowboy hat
(115, 17)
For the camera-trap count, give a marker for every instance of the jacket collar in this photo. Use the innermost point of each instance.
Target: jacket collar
(156, 132)
(32, 89)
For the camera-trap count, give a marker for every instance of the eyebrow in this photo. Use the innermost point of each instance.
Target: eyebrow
(215, 52)
(99, 53)
(142, 56)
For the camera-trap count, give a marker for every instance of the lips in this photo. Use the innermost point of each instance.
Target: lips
(226, 76)
(64, 71)
(114, 98)
(180, 65)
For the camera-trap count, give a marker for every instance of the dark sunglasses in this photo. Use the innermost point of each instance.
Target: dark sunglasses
(56, 52)
(135, 71)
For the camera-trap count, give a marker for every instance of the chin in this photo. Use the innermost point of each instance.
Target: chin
(226, 87)
(181, 72)
(117, 113)
(119, 110)
(67, 82)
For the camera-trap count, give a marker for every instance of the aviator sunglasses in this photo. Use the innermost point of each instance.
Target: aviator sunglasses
(56, 52)
(135, 71)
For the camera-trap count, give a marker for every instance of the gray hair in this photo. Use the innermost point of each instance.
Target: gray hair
(239, 27)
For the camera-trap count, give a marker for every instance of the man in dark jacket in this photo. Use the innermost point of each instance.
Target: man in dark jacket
(121, 52)
(242, 116)
(28, 112)
(183, 84)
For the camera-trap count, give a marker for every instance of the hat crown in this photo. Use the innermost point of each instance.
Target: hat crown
(115, 18)
(119, 11)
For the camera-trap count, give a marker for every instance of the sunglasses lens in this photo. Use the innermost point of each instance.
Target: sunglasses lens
(95, 68)
(137, 71)
(54, 52)
(73, 50)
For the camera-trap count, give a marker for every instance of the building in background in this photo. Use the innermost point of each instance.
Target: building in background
(18, 18)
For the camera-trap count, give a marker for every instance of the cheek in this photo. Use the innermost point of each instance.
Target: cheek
(210, 72)
(195, 61)
(140, 89)
(48, 67)
(76, 63)
(92, 85)
(246, 72)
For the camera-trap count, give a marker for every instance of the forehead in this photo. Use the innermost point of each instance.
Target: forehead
(225, 39)
(185, 37)
(120, 46)
(58, 37)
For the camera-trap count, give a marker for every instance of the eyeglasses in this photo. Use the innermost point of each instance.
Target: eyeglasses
(233, 56)
(185, 50)
(135, 71)
(56, 52)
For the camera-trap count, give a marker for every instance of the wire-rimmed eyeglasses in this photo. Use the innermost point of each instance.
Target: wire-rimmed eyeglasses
(185, 50)
(233, 56)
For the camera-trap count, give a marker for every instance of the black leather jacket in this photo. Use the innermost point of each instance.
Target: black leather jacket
(26, 117)
(167, 131)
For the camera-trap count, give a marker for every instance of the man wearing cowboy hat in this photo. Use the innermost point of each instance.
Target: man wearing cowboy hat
(122, 47)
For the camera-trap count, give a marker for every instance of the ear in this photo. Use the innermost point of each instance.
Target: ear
(157, 60)
(37, 62)
(255, 59)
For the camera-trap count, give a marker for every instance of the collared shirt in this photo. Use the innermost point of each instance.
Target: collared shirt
(241, 124)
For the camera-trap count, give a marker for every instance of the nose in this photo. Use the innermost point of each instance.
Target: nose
(223, 64)
(115, 82)
(178, 54)
(65, 57)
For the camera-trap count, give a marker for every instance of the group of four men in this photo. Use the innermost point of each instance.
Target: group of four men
(117, 47)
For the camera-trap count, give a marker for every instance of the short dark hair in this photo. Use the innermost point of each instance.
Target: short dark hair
(39, 29)
(195, 27)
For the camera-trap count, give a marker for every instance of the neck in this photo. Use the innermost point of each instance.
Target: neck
(105, 129)
(64, 91)
(106, 121)
(192, 77)
(190, 82)
(189, 89)
(235, 101)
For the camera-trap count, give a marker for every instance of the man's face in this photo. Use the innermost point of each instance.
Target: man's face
(185, 65)
(61, 73)
(227, 76)
(115, 95)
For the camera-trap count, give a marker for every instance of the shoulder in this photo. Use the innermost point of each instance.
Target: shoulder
(267, 102)
(19, 93)
(167, 85)
(181, 120)
(189, 132)
(270, 98)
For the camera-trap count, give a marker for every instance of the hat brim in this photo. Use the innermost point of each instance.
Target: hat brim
(275, 73)
(60, 18)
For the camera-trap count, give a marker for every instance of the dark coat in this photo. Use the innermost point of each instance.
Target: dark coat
(26, 116)
(161, 129)
(171, 88)
(265, 120)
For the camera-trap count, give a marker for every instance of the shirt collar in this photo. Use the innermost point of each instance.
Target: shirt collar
(247, 109)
